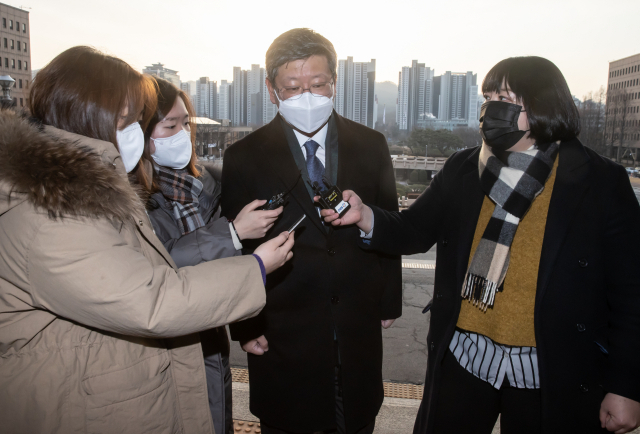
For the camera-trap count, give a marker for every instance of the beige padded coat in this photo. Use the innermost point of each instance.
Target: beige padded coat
(98, 327)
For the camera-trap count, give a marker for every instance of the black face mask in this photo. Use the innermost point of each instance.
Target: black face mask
(499, 124)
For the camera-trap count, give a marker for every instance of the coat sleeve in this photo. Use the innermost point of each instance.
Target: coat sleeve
(86, 272)
(622, 254)
(212, 241)
(235, 196)
(387, 199)
(414, 230)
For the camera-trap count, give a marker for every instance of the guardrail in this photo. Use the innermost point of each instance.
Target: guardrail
(418, 163)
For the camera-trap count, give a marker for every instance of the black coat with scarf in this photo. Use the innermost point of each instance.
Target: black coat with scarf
(330, 283)
(588, 291)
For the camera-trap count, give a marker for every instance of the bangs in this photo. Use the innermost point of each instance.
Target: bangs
(499, 75)
(141, 99)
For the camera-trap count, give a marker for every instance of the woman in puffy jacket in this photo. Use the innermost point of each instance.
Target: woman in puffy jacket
(99, 329)
(185, 213)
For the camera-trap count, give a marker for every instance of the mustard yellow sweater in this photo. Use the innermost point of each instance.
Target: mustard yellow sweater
(510, 321)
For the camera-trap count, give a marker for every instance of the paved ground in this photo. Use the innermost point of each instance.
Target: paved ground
(405, 356)
(635, 183)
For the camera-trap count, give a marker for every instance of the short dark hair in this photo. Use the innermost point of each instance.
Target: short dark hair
(299, 44)
(544, 92)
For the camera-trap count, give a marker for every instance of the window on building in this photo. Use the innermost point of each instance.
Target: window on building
(24, 28)
(13, 45)
(24, 47)
(11, 24)
(20, 65)
(13, 63)
(26, 84)
(20, 85)
(6, 62)
(26, 65)
(21, 102)
(6, 43)
(4, 23)
(17, 26)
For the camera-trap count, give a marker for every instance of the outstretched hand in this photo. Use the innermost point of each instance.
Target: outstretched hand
(276, 252)
(359, 214)
(252, 223)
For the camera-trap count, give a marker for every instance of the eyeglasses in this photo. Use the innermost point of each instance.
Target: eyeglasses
(295, 92)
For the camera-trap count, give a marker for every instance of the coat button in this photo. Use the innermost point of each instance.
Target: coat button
(432, 346)
(335, 299)
(445, 242)
(331, 252)
(583, 262)
(140, 223)
(584, 388)
(438, 296)
(581, 327)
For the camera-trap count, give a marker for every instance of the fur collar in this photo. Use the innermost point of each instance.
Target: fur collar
(62, 176)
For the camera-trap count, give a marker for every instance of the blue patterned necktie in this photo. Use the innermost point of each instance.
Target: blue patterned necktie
(314, 165)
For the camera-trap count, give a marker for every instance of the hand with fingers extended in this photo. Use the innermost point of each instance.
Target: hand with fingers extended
(252, 223)
(256, 346)
(359, 214)
(275, 252)
(619, 414)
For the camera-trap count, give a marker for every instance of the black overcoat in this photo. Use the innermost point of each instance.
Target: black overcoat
(330, 283)
(588, 293)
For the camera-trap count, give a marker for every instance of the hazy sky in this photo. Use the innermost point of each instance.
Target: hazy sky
(207, 38)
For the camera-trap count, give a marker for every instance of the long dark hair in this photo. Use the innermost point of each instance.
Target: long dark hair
(544, 92)
(84, 91)
(167, 95)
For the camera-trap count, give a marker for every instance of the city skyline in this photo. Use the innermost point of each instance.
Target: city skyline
(208, 39)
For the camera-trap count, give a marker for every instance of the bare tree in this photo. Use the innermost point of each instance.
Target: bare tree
(592, 119)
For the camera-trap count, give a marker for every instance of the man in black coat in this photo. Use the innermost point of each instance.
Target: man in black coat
(315, 351)
(585, 297)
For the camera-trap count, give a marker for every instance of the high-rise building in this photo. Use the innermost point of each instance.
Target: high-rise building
(250, 104)
(356, 92)
(223, 99)
(255, 91)
(622, 126)
(158, 70)
(15, 51)
(238, 94)
(207, 98)
(453, 96)
(415, 88)
(189, 87)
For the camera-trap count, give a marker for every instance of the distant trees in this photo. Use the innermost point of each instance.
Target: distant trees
(592, 120)
(436, 143)
(470, 136)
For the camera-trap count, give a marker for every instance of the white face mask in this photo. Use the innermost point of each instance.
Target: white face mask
(307, 113)
(174, 152)
(130, 144)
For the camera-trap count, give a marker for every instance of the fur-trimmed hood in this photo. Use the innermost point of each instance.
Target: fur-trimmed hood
(62, 173)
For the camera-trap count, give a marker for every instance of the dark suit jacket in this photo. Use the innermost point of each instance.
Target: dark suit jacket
(588, 293)
(329, 284)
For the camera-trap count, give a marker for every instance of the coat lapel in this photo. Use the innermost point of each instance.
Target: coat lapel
(569, 190)
(281, 165)
(471, 204)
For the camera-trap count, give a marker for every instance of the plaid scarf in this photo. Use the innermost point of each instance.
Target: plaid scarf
(513, 187)
(181, 190)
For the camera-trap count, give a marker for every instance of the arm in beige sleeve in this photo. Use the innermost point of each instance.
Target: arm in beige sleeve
(84, 271)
